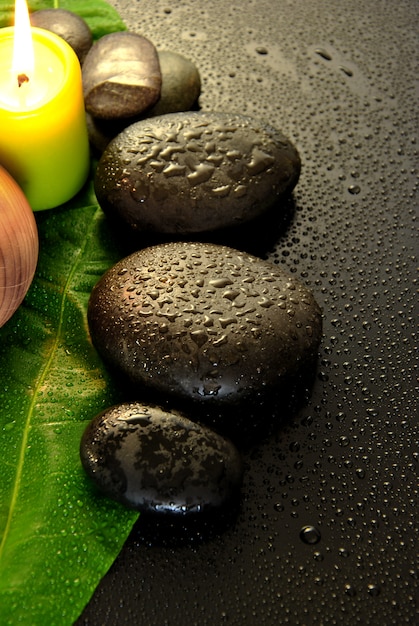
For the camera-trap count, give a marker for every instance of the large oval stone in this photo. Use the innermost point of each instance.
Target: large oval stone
(207, 325)
(121, 76)
(192, 172)
(157, 461)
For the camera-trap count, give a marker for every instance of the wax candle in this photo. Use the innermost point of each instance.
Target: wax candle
(43, 135)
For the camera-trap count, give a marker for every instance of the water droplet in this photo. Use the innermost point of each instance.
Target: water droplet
(323, 54)
(220, 282)
(226, 321)
(259, 162)
(374, 590)
(221, 192)
(199, 337)
(140, 191)
(346, 70)
(174, 169)
(310, 535)
(266, 303)
(231, 294)
(240, 191)
(350, 590)
(202, 173)
(221, 341)
(344, 441)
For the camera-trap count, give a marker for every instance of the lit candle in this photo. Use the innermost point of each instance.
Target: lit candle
(43, 135)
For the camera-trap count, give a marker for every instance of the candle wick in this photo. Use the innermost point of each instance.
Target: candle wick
(22, 78)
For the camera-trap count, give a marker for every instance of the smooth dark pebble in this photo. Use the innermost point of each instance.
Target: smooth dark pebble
(71, 27)
(157, 461)
(121, 76)
(205, 325)
(195, 172)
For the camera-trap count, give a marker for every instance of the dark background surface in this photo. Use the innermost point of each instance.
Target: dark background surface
(340, 79)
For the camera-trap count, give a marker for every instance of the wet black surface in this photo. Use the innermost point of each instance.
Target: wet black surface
(326, 531)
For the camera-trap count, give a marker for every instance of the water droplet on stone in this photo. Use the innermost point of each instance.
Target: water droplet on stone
(201, 174)
(231, 294)
(174, 169)
(199, 337)
(220, 282)
(259, 162)
(140, 192)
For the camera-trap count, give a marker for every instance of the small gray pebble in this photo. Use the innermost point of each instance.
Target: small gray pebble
(180, 89)
(206, 325)
(71, 27)
(121, 76)
(195, 172)
(157, 461)
(181, 84)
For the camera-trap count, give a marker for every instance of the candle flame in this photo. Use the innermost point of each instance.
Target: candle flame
(23, 55)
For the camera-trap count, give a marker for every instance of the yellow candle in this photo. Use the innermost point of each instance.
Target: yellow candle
(43, 135)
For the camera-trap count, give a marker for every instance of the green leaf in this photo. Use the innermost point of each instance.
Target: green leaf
(100, 16)
(58, 536)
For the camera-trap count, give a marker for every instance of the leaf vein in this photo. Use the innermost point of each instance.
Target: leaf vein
(39, 384)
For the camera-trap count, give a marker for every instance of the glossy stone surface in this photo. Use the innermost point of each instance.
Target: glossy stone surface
(67, 25)
(157, 461)
(195, 172)
(121, 76)
(204, 324)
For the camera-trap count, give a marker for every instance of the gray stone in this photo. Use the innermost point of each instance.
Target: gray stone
(157, 461)
(71, 27)
(181, 84)
(195, 172)
(121, 76)
(205, 325)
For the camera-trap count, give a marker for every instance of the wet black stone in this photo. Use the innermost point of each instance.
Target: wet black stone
(208, 326)
(156, 461)
(121, 76)
(195, 172)
(71, 27)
